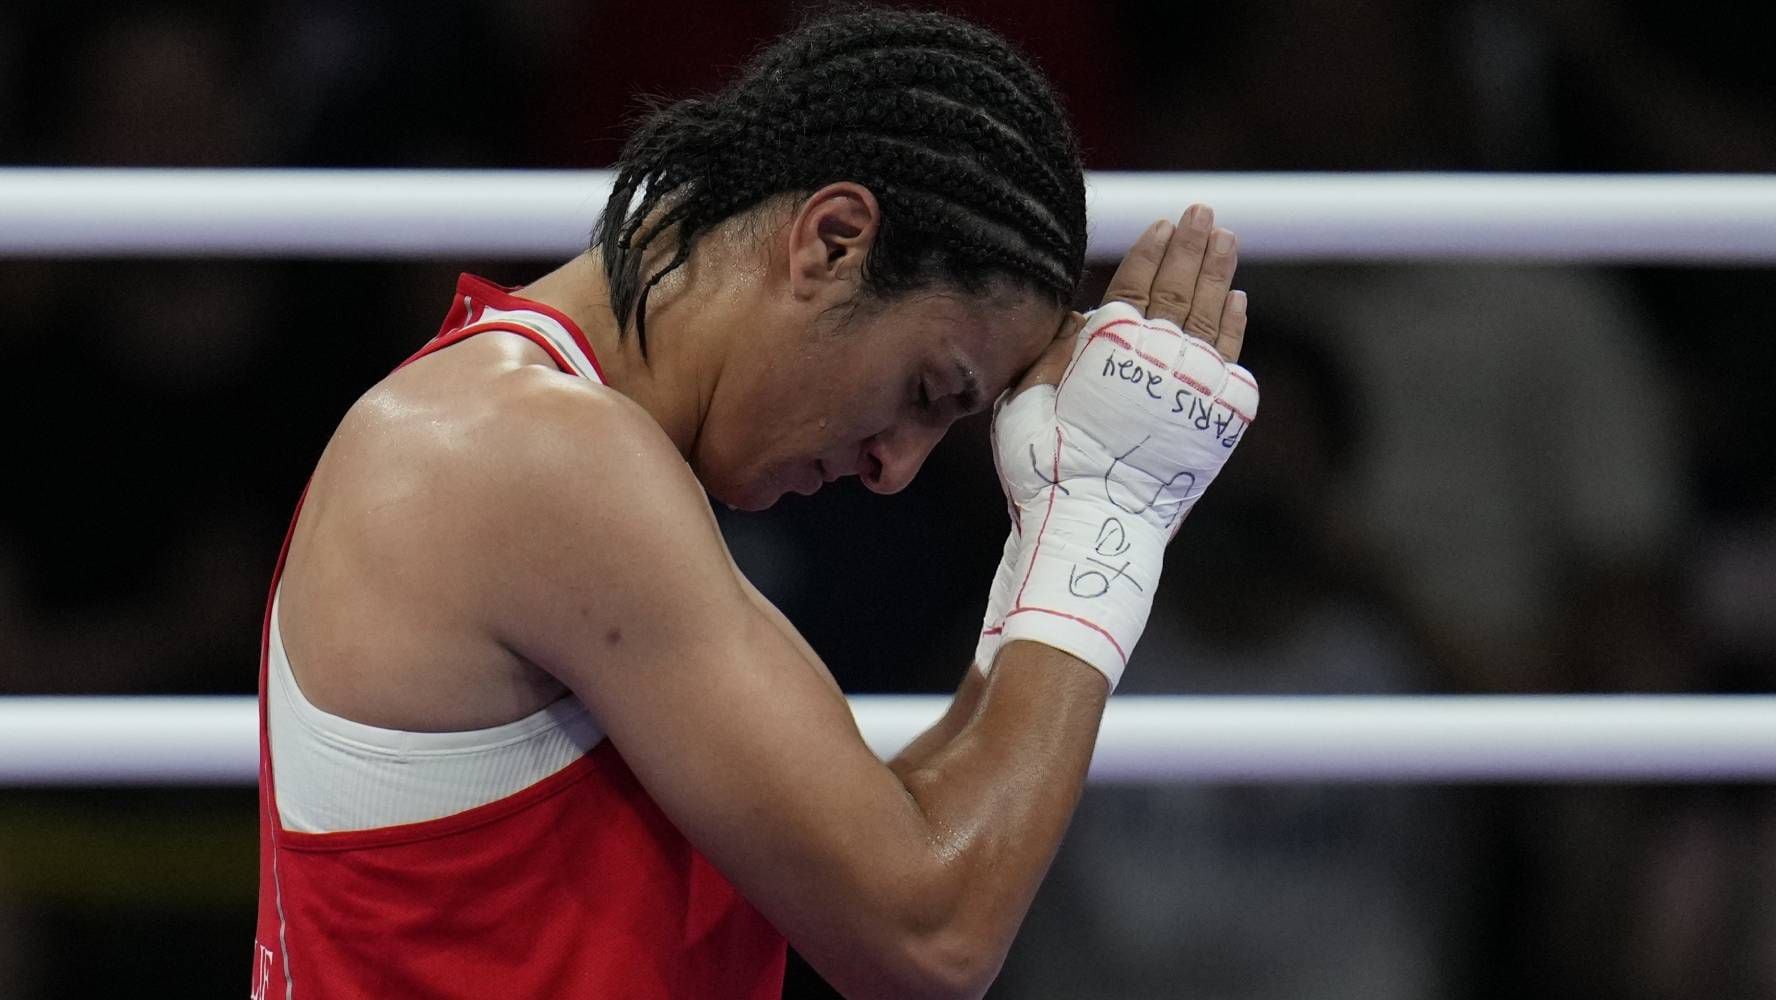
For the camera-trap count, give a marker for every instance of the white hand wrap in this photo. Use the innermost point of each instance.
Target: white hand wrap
(1099, 472)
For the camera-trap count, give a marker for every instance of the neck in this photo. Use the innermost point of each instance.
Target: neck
(671, 382)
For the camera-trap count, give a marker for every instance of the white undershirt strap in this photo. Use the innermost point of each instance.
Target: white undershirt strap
(334, 774)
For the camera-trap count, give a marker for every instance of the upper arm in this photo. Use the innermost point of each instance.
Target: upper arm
(607, 569)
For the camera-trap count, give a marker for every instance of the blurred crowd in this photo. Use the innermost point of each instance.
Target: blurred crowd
(1485, 477)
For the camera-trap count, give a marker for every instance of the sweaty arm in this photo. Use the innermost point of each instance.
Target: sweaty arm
(889, 887)
(896, 881)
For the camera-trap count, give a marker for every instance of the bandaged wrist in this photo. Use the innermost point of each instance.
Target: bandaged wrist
(1099, 472)
(998, 602)
(1085, 583)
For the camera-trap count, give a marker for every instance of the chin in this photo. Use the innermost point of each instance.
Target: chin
(756, 488)
(747, 496)
(754, 504)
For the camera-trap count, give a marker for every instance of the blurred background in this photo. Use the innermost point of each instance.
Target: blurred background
(1473, 478)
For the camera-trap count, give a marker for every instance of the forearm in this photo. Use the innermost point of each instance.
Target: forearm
(998, 795)
(962, 707)
(1098, 478)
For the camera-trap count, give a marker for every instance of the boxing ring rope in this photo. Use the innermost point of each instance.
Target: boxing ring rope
(1606, 738)
(478, 215)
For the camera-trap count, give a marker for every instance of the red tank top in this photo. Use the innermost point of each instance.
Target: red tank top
(575, 886)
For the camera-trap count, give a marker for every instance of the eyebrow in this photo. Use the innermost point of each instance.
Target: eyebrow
(971, 390)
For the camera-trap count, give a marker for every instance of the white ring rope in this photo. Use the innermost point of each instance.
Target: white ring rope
(69, 212)
(213, 740)
(485, 214)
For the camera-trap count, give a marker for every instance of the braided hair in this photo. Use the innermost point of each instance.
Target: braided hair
(962, 142)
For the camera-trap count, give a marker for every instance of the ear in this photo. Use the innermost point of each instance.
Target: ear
(829, 239)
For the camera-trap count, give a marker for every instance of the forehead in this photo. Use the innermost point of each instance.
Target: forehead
(996, 334)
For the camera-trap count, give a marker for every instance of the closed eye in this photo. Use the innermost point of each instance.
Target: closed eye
(971, 401)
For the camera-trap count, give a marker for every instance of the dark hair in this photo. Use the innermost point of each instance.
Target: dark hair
(962, 142)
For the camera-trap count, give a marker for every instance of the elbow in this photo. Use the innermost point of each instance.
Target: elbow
(941, 951)
(929, 924)
(925, 967)
(917, 949)
(948, 965)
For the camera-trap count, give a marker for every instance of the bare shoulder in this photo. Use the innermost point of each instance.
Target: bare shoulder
(571, 425)
(467, 436)
(610, 563)
(454, 495)
(585, 518)
(582, 455)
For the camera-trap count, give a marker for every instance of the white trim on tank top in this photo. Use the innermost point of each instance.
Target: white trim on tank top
(549, 328)
(333, 775)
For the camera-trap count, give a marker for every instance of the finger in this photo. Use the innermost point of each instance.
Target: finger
(1233, 326)
(1133, 279)
(1174, 286)
(1212, 286)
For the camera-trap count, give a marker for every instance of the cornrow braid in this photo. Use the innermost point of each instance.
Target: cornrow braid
(961, 140)
(979, 86)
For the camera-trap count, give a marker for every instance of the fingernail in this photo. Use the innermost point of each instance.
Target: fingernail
(1223, 242)
(1164, 229)
(1200, 218)
(1239, 302)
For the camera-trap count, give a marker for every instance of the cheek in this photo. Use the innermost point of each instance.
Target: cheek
(843, 401)
(810, 406)
(775, 426)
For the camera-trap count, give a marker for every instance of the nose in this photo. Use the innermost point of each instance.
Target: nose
(894, 457)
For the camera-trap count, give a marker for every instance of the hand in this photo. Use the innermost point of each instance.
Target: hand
(1111, 438)
(1172, 273)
